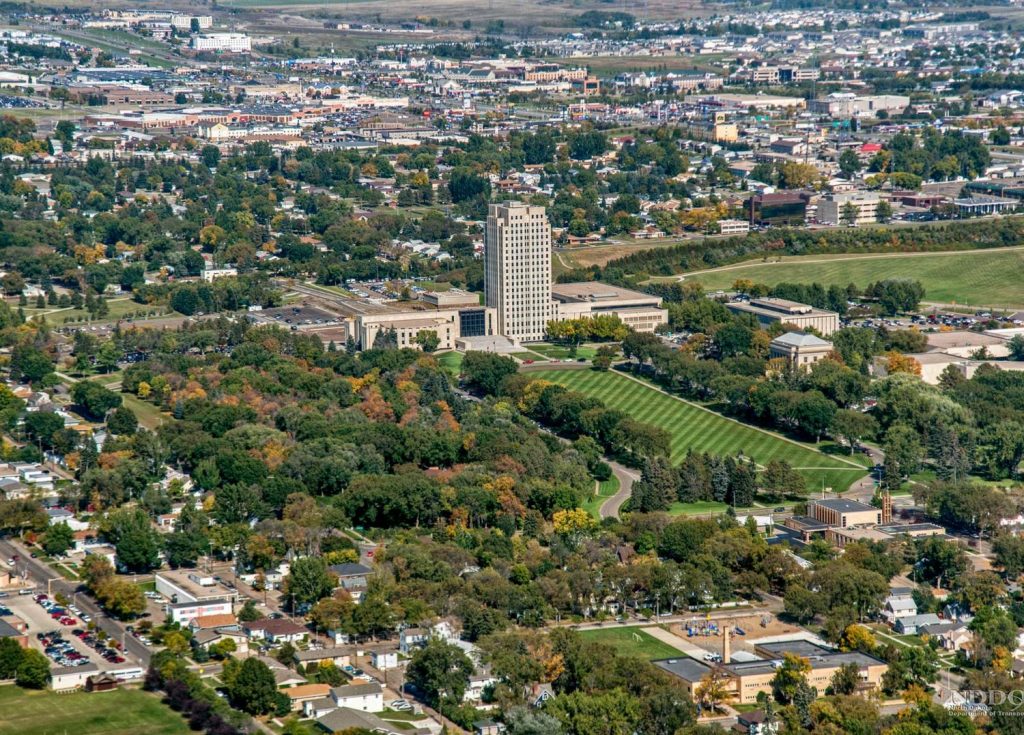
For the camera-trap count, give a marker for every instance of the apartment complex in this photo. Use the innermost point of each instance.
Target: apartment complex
(849, 208)
(769, 311)
(517, 269)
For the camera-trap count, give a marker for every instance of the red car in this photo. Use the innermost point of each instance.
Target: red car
(68, 621)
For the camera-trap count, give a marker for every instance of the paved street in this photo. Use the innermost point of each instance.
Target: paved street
(48, 580)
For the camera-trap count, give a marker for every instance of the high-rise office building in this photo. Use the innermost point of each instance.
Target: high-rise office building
(517, 269)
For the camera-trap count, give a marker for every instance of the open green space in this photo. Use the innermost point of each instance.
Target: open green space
(561, 352)
(692, 427)
(451, 361)
(528, 357)
(117, 712)
(979, 277)
(605, 489)
(149, 416)
(633, 642)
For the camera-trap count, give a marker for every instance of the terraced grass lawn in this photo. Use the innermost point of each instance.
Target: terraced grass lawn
(979, 277)
(118, 712)
(633, 642)
(605, 489)
(560, 352)
(693, 427)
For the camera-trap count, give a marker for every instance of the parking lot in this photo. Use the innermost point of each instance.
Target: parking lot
(55, 636)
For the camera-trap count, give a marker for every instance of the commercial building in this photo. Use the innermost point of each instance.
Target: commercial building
(185, 585)
(800, 349)
(770, 311)
(186, 612)
(639, 311)
(778, 208)
(849, 208)
(733, 227)
(517, 270)
(848, 104)
(235, 43)
(980, 204)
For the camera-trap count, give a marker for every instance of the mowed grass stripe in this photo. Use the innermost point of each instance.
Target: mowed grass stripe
(691, 427)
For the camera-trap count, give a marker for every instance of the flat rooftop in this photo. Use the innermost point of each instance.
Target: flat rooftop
(778, 308)
(843, 506)
(180, 579)
(688, 669)
(596, 292)
(962, 338)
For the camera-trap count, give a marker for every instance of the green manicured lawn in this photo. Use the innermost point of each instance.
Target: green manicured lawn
(119, 712)
(692, 427)
(605, 489)
(979, 277)
(633, 642)
(451, 361)
(528, 356)
(560, 352)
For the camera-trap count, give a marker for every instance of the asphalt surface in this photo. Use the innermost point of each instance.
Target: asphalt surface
(44, 577)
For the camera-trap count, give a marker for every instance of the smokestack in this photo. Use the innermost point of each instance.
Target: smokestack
(726, 652)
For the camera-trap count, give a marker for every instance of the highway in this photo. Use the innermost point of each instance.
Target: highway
(46, 578)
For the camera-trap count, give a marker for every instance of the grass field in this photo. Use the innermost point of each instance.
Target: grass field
(978, 277)
(633, 642)
(119, 712)
(560, 352)
(451, 361)
(693, 427)
(605, 489)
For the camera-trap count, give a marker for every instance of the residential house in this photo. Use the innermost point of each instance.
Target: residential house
(898, 605)
(753, 723)
(539, 694)
(275, 630)
(345, 719)
(909, 624)
(352, 577)
(303, 693)
(283, 676)
(362, 697)
(337, 656)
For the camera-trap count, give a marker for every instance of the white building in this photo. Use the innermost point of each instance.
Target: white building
(517, 269)
(184, 22)
(186, 612)
(836, 209)
(233, 42)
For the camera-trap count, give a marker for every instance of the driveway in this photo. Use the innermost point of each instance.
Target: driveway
(610, 507)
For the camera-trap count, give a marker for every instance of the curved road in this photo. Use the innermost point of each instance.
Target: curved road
(610, 507)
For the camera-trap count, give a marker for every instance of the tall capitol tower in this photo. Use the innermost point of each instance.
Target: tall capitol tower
(517, 269)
